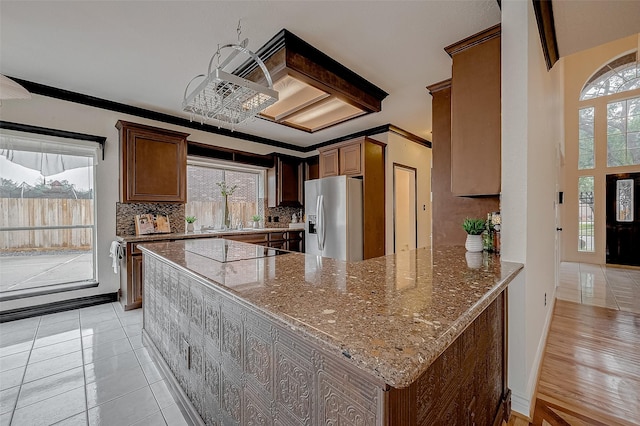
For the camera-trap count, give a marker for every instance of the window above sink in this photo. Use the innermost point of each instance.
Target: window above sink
(206, 203)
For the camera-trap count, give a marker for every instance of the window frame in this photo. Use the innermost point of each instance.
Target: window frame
(233, 167)
(84, 142)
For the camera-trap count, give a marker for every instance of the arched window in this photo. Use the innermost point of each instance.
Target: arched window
(617, 76)
(608, 98)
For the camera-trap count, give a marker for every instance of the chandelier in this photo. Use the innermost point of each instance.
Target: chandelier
(225, 97)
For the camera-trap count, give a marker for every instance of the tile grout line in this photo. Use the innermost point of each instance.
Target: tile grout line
(609, 286)
(84, 373)
(24, 373)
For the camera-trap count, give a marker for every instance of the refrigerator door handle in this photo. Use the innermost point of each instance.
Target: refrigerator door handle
(320, 222)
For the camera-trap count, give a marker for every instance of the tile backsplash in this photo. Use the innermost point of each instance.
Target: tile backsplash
(284, 216)
(126, 212)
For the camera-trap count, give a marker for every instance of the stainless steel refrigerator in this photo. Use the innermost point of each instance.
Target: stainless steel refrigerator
(333, 207)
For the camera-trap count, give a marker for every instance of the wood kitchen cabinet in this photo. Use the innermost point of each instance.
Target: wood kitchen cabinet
(295, 241)
(342, 160)
(475, 114)
(131, 278)
(312, 168)
(285, 182)
(329, 163)
(362, 158)
(153, 164)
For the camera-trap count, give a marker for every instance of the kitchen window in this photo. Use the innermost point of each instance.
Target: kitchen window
(47, 213)
(206, 203)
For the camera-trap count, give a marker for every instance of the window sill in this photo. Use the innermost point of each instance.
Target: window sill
(43, 291)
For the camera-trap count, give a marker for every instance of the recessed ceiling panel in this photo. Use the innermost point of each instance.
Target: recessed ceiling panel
(293, 96)
(324, 114)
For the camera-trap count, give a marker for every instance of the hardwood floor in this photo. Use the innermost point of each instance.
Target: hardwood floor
(591, 369)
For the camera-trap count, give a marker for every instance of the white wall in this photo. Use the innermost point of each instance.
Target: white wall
(53, 113)
(404, 152)
(531, 131)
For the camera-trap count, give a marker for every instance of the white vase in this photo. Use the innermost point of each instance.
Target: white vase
(189, 227)
(473, 243)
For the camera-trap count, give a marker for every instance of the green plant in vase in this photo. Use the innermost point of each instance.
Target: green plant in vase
(190, 221)
(256, 220)
(474, 227)
(226, 191)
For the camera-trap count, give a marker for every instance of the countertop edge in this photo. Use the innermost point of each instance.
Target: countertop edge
(460, 325)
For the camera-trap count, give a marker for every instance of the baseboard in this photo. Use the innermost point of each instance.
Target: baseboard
(185, 405)
(524, 405)
(521, 417)
(54, 307)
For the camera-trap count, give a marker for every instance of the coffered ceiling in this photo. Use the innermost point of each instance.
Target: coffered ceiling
(144, 53)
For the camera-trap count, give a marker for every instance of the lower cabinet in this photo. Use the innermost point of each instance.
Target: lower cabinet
(131, 275)
(131, 278)
(295, 241)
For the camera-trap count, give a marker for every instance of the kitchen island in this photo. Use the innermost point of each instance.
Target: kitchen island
(291, 239)
(254, 335)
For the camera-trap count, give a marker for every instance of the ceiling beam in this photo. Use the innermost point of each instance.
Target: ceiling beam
(547, 29)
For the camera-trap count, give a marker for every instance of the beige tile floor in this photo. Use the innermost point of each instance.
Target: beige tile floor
(82, 367)
(600, 285)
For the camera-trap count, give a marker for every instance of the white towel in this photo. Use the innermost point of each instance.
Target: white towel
(116, 252)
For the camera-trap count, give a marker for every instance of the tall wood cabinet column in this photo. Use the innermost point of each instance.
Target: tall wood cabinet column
(449, 210)
(476, 114)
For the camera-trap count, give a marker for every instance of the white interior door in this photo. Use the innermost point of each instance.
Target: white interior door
(404, 208)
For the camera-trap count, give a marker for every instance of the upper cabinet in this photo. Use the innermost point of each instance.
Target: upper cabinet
(312, 168)
(329, 164)
(476, 114)
(347, 158)
(153, 164)
(285, 182)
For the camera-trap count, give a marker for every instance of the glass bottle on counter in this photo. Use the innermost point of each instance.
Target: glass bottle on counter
(487, 235)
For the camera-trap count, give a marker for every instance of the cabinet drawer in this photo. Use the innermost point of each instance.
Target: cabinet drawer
(281, 245)
(248, 238)
(136, 250)
(133, 247)
(277, 236)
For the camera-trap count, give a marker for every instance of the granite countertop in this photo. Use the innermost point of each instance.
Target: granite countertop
(392, 316)
(199, 234)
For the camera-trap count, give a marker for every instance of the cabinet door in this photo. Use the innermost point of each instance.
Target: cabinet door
(312, 168)
(294, 242)
(282, 245)
(248, 238)
(475, 120)
(135, 294)
(351, 159)
(329, 163)
(290, 181)
(154, 164)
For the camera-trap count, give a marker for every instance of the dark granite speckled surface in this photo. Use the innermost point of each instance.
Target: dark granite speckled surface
(391, 316)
